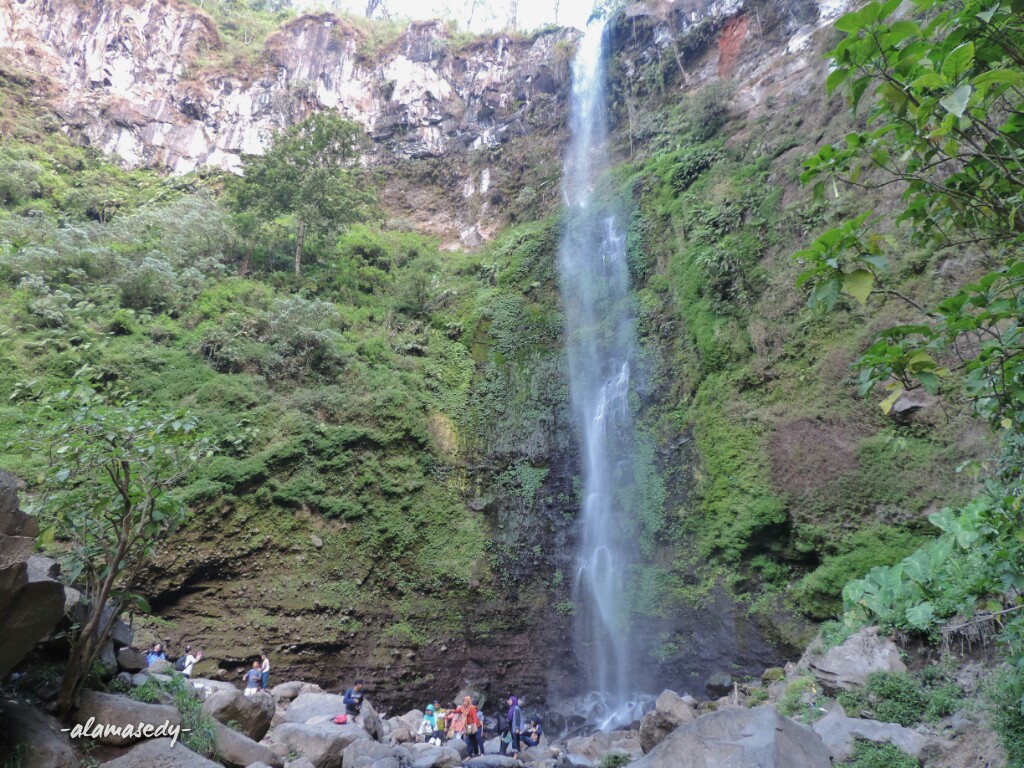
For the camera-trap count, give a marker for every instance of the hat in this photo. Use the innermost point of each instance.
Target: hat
(430, 707)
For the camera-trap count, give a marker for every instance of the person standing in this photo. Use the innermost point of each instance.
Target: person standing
(515, 724)
(190, 660)
(265, 671)
(471, 727)
(354, 700)
(252, 678)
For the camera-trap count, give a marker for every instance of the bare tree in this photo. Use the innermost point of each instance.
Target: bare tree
(372, 6)
(513, 14)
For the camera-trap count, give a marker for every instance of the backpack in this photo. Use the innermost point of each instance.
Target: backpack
(180, 664)
(341, 719)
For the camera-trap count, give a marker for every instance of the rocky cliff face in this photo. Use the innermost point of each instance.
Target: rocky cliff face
(130, 79)
(462, 134)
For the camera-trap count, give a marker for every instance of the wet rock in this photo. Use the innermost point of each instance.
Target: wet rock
(239, 751)
(492, 761)
(848, 665)
(252, 714)
(49, 747)
(323, 745)
(158, 753)
(670, 711)
(839, 734)
(108, 709)
(739, 738)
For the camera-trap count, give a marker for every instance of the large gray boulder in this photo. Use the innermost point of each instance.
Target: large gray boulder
(239, 751)
(430, 756)
(323, 745)
(96, 708)
(371, 720)
(131, 660)
(599, 744)
(848, 665)
(158, 753)
(492, 761)
(286, 691)
(739, 738)
(226, 704)
(308, 706)
(366, 753)
(31, 599)
(839, 734)
(48, 746)
(670, 711)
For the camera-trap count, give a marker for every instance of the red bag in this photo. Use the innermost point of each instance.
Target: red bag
(341, 719)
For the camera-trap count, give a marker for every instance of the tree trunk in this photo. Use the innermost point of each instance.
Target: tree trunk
(300, 236)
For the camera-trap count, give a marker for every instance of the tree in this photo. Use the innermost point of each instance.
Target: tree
(107, 498)
(311, 173)
(945, 85)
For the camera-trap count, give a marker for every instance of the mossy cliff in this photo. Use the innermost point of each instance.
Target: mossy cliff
(396, 482)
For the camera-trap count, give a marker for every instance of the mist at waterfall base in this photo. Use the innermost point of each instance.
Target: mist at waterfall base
(601, 353)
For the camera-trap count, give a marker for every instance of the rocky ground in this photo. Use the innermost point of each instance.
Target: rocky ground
(291, 725)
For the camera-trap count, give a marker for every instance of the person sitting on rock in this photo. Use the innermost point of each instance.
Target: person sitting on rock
(531, 737)
(354, 700)
(252, 677)
(156, 653)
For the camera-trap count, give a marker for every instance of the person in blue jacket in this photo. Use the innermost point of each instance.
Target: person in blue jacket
(354, 699)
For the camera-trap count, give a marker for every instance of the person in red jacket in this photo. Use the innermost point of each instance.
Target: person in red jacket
(473, 727)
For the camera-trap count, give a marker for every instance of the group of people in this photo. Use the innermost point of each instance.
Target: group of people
(256, 678)
(464, 722)
(185, 663)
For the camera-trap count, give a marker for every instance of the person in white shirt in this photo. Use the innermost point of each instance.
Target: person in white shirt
(190, 660)
(265, 669)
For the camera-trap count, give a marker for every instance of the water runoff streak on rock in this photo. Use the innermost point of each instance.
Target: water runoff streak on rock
(599, 331)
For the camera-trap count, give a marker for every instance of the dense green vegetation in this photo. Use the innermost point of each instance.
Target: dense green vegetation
(946, 94)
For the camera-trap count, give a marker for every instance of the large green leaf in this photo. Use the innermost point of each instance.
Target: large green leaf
(858, 284)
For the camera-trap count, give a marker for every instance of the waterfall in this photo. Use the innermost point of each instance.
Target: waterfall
(600, 339)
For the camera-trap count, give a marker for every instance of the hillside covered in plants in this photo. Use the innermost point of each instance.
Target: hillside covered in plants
(366, 354)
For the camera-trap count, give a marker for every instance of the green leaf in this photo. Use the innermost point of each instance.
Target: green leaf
(920, 616)
(958, 61)
(887, 404)
(956, 102)
(858, 284)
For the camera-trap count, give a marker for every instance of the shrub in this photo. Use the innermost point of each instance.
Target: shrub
(868, 754)
(896, 697)
(615, 760)
(122, 323)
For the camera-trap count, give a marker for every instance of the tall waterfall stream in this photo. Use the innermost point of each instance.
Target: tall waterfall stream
(601, 351)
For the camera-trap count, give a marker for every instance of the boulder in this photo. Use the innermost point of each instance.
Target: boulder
(302, 762)
(252, 714)
(131, 660)
(738, 738)
(848, 665)
(371, 720)
(412, 718)
(717, 685)
(160, 667)
(49, 747)
(286, 691)
(109, 709)
(459, 746)
(839, 734)
(158, 753)
(492, 761)
(323, 745)
(569, 760)
(239, 751)
(597, 745)
(364, 753)
(139, 679)
(311, 705)
(430, 756)
(670, 711)
(31, 599)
